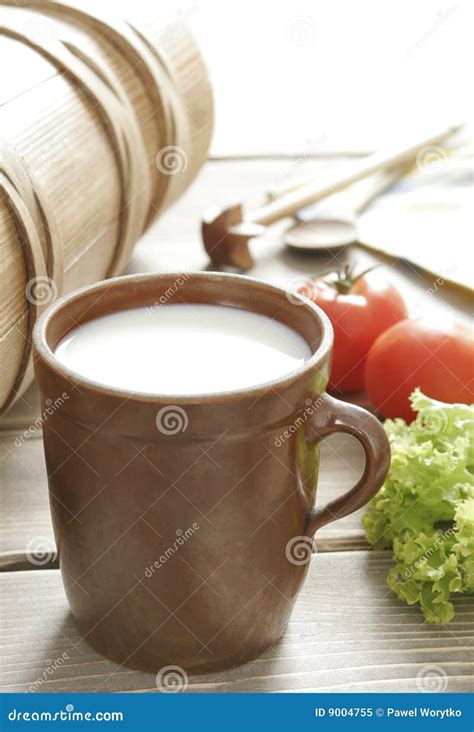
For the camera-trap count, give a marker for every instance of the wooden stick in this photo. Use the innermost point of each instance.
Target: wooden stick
(296, 200)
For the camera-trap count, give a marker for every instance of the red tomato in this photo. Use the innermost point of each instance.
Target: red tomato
(436, 355)
(360, 310)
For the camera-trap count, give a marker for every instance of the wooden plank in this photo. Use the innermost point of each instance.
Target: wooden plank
(347, 633)
(23, 413)
(24, 504)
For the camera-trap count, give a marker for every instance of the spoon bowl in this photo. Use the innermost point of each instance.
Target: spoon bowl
(331, 232)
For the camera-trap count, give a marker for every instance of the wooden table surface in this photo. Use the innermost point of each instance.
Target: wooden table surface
(348, 632)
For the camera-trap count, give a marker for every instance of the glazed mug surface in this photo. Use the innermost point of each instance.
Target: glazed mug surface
(184, 524)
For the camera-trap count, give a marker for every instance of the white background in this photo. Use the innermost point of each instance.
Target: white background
(312, 76)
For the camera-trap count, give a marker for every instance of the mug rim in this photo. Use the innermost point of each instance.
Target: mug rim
(44, 351)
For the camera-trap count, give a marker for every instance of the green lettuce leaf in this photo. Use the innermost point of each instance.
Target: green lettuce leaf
(425, 509)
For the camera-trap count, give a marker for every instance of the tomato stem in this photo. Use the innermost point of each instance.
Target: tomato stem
(343, 279)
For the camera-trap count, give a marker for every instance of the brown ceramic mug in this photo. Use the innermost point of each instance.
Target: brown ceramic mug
(184, 524)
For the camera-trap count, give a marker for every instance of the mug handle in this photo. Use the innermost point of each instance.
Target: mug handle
(333, 415)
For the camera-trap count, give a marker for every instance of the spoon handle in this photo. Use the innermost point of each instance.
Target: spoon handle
(296, 200)
(367, 190)
(351, 202)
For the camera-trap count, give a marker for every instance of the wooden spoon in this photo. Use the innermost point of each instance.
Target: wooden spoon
(333, 224)
(226, 232)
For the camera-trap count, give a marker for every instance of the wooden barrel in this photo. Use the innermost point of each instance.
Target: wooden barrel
(103, 124)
